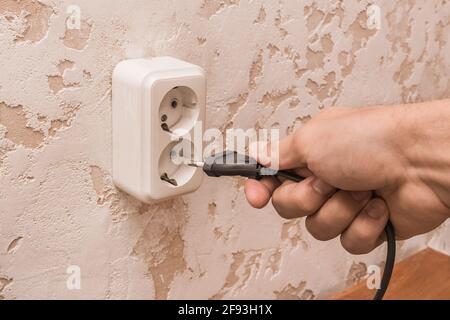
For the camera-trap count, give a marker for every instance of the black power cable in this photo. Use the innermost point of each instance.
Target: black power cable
(390, 261)
(233, 164)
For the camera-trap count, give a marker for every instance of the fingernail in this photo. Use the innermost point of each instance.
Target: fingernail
(360, 195)
(322, 187)
(376, 210)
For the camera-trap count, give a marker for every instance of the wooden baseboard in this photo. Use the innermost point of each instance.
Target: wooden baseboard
(424, 275)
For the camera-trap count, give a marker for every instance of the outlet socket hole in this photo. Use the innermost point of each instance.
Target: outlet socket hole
(179, 110)
(172, 163)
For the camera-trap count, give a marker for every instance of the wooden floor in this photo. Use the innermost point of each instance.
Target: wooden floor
(424, 275)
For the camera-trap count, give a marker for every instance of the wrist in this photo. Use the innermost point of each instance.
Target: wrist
(395, 141)
(425, 134)
(424, 144)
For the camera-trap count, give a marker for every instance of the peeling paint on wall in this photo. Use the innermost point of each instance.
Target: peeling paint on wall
(27, 19)
(17, 130)
(295, 293)
(357, 272)
(4, 282)
(269, 65)
(14, 245)
(78, 38)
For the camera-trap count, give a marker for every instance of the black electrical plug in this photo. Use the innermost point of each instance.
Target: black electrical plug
(231, 163)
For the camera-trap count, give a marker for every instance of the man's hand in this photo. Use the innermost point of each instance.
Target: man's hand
(363, 167)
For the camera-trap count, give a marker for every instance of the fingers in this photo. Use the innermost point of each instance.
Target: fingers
(359, 219)
(258, 193)
(336, 214)
(291, 151)
(293, 200)
(366, 231)
(288, 153)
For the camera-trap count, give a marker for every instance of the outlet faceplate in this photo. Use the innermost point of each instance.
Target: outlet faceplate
(155, 102)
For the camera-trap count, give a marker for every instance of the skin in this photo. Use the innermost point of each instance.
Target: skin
(364, 166)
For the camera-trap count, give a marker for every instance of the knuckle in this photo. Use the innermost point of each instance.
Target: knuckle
(292, 205)
(361, 235)
(316, 231)
(355, 246)
(276, 198)
(279, 209)
(350, 245)
(304, 207)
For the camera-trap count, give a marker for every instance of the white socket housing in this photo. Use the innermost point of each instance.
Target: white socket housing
(147, 95)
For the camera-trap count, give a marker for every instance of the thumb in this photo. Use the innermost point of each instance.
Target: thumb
(288, 153)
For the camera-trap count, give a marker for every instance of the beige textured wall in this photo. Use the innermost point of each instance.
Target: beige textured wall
(269, 64)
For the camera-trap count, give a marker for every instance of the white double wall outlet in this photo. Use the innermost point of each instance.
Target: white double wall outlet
(156, 103)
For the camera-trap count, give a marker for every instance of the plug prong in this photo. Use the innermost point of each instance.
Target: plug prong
(198, 164)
